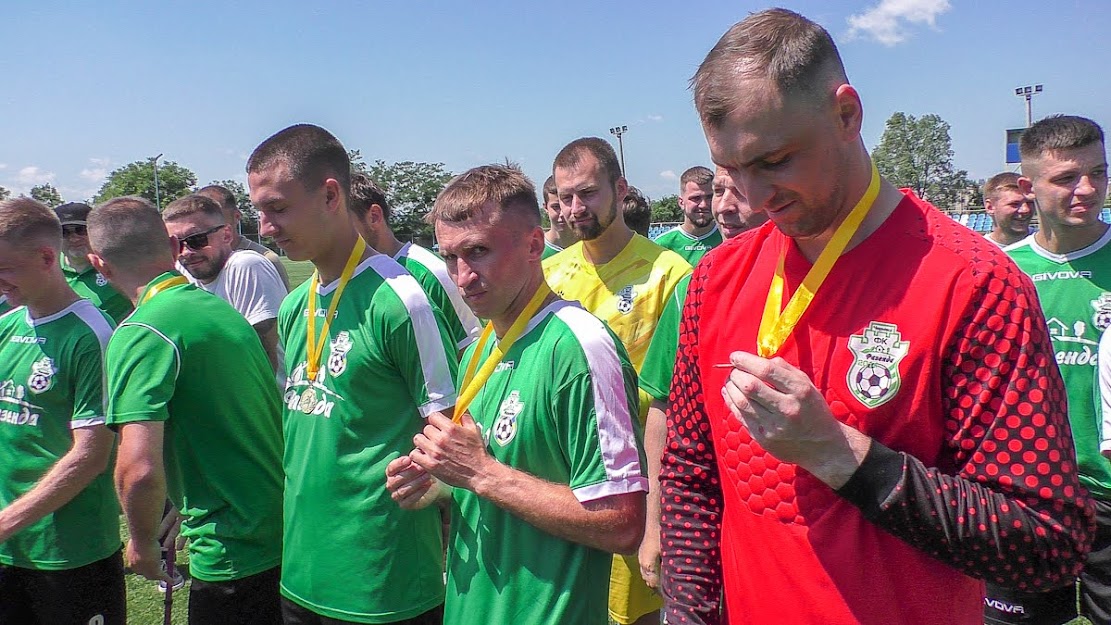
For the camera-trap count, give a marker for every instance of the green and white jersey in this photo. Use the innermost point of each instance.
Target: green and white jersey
(659, 362)
(561, 406)
(186, 358)
(690, 247)
(1075, 293)
(550, 249)
(350, 552)
(94, 287)
(51, 382)
(430, 271)
(4, 305)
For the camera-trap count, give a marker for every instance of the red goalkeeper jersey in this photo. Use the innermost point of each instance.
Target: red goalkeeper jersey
(926, 338)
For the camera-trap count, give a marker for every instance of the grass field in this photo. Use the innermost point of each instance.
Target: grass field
(298, 270)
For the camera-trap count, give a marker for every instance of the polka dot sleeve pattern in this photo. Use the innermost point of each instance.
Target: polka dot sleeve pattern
(1008, 508)
(689, 486)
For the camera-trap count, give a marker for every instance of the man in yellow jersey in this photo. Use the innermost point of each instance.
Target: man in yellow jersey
(625, 280)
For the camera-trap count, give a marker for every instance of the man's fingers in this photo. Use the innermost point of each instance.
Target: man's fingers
(775, 372)
(398, 465)
(756, 391)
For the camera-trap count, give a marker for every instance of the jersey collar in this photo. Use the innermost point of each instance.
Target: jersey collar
(1070, 256)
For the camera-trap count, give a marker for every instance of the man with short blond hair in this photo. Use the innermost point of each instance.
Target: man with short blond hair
(242, 278)
(822, 452)
(547, 473)
(1009, 208)
(60, 556)
(625, 280)
(559, 236)
(698, 233)
(233, 216)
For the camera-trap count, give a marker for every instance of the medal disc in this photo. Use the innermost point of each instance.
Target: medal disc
(308, 400)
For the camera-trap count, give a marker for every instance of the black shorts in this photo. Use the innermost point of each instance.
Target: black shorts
(1009, 607)
(295, 614)
(252, 600)
(87, 595)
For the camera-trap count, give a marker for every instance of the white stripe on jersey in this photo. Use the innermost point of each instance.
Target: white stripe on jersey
(616, 435)
(91, 316)
(438, 382)
(438, 268)
(177, 353)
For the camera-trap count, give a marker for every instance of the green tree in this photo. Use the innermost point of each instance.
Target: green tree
(4, 193)
(47, 194)
(243, 202)
(411, 189)
(666, 209)
(358, 165)
(918, 153)
(137, 178)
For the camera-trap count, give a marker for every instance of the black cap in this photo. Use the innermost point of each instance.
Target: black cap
(73, 213)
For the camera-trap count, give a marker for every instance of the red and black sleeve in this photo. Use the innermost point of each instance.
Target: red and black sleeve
(690, 490)
(1006, 504)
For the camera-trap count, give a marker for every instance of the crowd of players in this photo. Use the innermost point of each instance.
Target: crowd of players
(851, 410)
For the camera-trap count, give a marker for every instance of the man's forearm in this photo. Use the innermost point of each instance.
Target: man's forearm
(143, 499)
(655, 436)
(64, 481)
(614, 523)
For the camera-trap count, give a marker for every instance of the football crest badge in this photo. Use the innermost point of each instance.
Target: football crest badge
(337, 359)
(42, 375)
(1102, 317)
(874, 376)
(625, 300)
(505, 428)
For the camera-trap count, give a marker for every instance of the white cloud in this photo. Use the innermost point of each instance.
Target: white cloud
(3, 165)
(655, 118)
(887, 21)
(31, 175)
(98, 170)
(667, 174)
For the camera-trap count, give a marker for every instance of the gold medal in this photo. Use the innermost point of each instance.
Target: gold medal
(308, 400)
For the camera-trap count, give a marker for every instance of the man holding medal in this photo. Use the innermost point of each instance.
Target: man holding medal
(547, 474)
(866, 414)
(192, 394)
(369, 359)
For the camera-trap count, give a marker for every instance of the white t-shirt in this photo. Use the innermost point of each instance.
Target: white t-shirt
(252, 286)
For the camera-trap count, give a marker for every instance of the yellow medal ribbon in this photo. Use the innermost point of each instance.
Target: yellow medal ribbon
(473, 382)
(776, 326)
(315, 344)
(158, 287)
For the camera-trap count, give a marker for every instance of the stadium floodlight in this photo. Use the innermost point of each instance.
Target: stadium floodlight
(619, 131)
(1028, 92)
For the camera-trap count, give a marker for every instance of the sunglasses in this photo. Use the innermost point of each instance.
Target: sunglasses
(199, 240)
(74, 229)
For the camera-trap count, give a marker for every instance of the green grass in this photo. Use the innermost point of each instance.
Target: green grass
(298, 270)
(145, 605)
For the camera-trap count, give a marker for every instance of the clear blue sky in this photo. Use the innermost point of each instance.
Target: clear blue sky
(89, 87)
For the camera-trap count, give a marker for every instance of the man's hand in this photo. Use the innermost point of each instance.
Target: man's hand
(788, 416)
(649, 558)
(170, 531)
(454, 453)
(146, 559)
(411, 486)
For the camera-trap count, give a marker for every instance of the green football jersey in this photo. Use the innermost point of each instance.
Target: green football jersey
(562, 406)
(550, 249)
(95, 288)
(4, 305)
(350, 552)
(659, 362)
(51, 383)
(185, 357)
(690, 247)
(430, 271)
(1075, 293)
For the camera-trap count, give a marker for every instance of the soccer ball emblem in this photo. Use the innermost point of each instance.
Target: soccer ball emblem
(505, 428)
(873, 381)
(1102, 319)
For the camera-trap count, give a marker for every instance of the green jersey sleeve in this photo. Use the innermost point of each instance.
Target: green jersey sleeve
(421, 347)
(659, 362)
(142, 366)
(88, 387)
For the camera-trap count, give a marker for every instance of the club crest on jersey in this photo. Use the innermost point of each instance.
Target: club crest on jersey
(1102, 317)
(625, 300)
(505, 428)
(101, 280)
(337, 359)
(874, 376)
(42, 375)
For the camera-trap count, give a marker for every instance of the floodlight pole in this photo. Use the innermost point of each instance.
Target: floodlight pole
(157, 197)
(618, 131)
(1028, 92)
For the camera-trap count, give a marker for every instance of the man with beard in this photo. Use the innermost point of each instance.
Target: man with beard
(242, 278)
(698, 233)
(559, 236)
(1009, 208)
(233, 216)
(625, 280)
(733, 216)
(86, 281)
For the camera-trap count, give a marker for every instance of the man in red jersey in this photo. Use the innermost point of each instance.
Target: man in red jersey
(872, 455)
